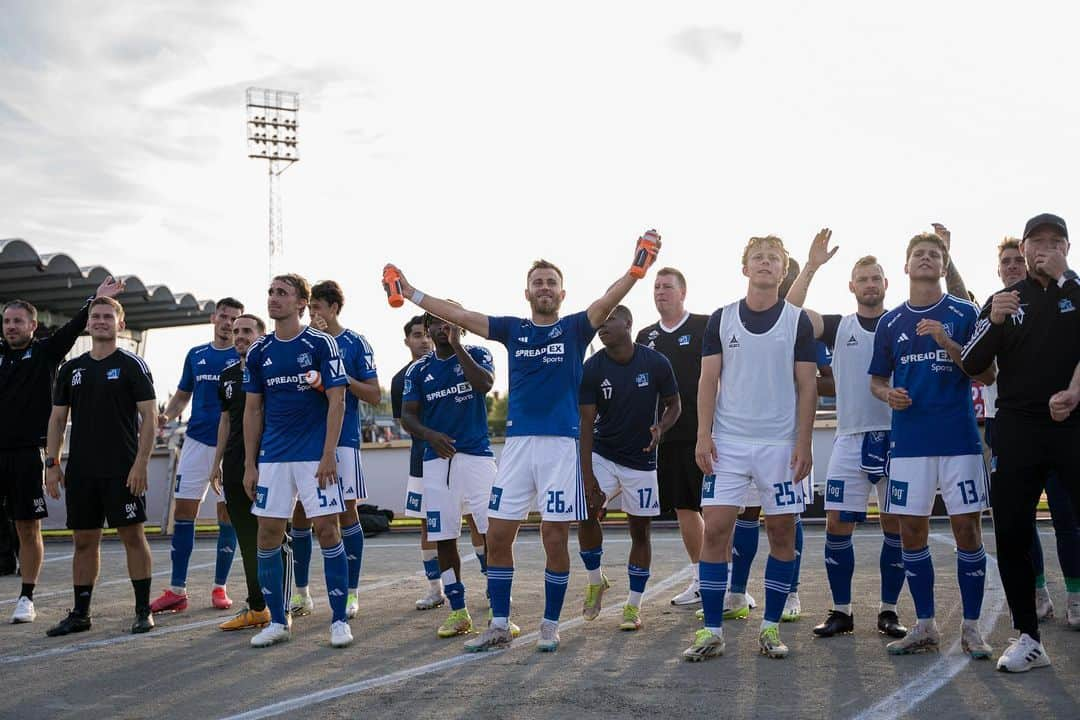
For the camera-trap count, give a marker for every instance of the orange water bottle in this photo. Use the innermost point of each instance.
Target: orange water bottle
(314, 379)
(391, 280)
(648, 245)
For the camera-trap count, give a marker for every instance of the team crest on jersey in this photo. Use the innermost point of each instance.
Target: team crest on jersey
(555, 332)
(653, 334)
(407, 388)
(304, 360)
(733, 342)
(1065, 305)
(458, 370)
(1018, 316)
(76, 377)
(949, 328)
(247, 375)
(228, 391)
(684, 340)
(27, 354)
(642, 380)
(113, 374)
(852, 342)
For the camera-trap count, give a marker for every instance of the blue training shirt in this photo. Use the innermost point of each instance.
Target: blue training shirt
(448, 402)
(545, 372)
(626, 399)
(294, 414)
(202, 370)
(941, 419)
(359, 361)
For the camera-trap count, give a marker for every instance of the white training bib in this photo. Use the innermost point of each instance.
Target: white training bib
(857, 410)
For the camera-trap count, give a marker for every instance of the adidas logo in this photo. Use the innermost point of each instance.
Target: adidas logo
(733, 342)
(852, 341)
(605, 383)
(351, 557)
(523, 339)
(266, 592)
(267, 362)
(335, 593)
(909, 574)
(429, 378)
(975, 573)
(228, 550)
(201, 362)
(830, 561)
(903, 337)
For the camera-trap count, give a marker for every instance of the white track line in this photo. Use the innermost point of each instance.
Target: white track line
(304, 701)
(929, 681)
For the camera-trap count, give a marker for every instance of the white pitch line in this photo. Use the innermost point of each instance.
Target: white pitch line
(118, 581)
(933, 678)
(303, 701)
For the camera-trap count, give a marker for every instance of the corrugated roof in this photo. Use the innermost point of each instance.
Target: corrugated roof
(55, 282)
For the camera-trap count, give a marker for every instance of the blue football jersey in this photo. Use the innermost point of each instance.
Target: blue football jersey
(626, 399)
(941, 419)
(202, 370)
(294, 414)
(448, 402)
(545, 372)
(359, 361)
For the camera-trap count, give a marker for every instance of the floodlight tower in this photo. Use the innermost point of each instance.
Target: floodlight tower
(272, 132)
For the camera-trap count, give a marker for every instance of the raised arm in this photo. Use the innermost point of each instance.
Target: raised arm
(60, 342)
(474, 322)
(954, 284)
(478, 376)
(600, 309)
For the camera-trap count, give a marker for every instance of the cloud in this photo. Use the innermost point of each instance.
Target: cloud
(705, 44)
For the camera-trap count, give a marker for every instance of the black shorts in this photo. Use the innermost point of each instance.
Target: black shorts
(92, 501)
(679, 478)
(22, 483)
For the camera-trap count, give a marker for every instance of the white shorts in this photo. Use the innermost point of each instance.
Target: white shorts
(847, 487)
(350, 474)
(914, 482)
(542, 472)
(414, 498)
(193, 471)
(453, 487)
(640, 491)
(282, 483)
(740, 466)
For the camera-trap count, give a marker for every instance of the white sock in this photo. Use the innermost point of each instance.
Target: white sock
(973, 623)
(634, 600)
(179, 590)
(436, 585)
(354, 591)
(717, 631)
(596, 576)
(449, 577)
(765, 625)
(302, 590)
(735, 599)
(216, 586)
(886, 607)
(846, 609)
(500, 622)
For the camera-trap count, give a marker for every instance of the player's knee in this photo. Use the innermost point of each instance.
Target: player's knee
(222, 512)
(835, 526)
(85, 541)
(28, 530)
(186, 509)
(717, 535)
(639, 529)
(555, 535)
(967, 533)
(327, 532)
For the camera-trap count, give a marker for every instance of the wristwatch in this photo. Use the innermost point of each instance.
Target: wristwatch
(51, 462)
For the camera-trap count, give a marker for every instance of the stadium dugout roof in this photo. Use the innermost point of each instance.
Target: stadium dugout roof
(56, 283)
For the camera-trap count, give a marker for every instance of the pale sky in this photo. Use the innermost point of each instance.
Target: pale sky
(464, 140)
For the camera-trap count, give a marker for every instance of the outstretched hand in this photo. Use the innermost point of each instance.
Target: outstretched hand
(819, 249)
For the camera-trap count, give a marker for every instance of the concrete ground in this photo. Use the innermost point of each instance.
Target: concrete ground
(398, 668)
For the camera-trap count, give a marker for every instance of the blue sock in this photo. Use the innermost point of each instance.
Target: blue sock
(743, 549)
(481, 557)
(301, 548)
(353, 538)
(454, 588)
(272, 580)
(712, 578)
(554, 593)
(336, 567)
(183, 540)
(778, 575)
(798, 553)
(971, 574)
(226, 551)
(891, 565)
(839, 567)
(591, 558)
(431, 568)
(1037, 557)
(499, 582)
(638, 577)
(919, 569)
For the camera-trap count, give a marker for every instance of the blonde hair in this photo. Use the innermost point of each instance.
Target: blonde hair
(1008, 243)
(766, 240)
(866, 261)
(933, 239)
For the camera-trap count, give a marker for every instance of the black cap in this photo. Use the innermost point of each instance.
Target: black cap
(1046, 219)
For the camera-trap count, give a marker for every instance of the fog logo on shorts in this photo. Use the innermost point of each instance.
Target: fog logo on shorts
(496, 498)
(708, 487)
(434, 521)
(898, 492)
(834, 491)
(413, 501)
(260, 497)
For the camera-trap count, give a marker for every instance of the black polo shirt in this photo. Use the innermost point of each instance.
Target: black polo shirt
(103, 395)
(232, 397)
(682, 347)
